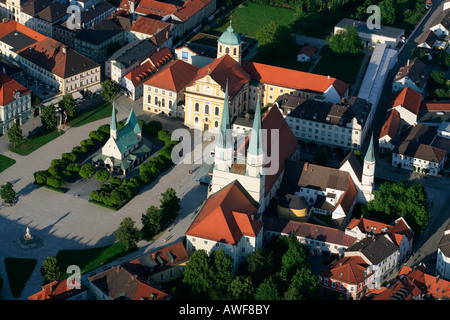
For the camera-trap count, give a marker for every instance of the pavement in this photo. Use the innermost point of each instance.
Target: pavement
(64, 221)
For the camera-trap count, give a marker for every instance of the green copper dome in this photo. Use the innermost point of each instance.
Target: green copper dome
(230, 37)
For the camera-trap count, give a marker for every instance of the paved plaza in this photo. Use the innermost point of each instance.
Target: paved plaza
(65, 221)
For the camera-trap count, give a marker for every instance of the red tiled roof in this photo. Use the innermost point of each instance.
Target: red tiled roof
(348, 197)
(390, 127)
(223, 69)
(349, 270)
(190, 8)
(159, 8)
(176, 251)
(148, 25)
(174, 76)
(57, 290)
(293, 79)
(307, 50)
(8, 26)
(408, 99)
(226, 216)
(8, 87)
(149, 66)
(435, 106)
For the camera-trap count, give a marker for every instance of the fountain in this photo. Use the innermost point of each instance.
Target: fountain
(28, 240)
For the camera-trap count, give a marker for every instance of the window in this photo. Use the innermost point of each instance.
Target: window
(216, 111)
(227, 50)
(207, 109)
(196, 120)
(197, 107)
(234, 51)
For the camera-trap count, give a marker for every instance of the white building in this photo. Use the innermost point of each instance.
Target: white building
(15, 103)
(442, 28)
(342, 125)
(385, 35)
(443, 255)
(226, 220)
(413, 75)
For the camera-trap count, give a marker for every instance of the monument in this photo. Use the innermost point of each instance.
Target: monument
(28, 240)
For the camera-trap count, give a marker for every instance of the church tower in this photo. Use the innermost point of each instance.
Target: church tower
(113, 128)
(224, 148)
(255, 151)
(230, 43)
(368, 175)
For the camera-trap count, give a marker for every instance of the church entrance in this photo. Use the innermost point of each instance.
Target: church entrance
(205, 126)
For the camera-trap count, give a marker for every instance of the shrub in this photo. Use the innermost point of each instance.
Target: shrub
(55, 181)
(58, 163)
(74, 167)
(116, 181)
(53, 171)
(87, 170)
(105, 128)
(79, 149)
(102, 175)
(97, 135)
(87, 143)
(69, 157)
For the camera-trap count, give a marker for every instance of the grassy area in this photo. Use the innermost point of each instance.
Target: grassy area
(96, 112)
(342, 67)
(5, 162)
(247, 19)
(19, 271)
(35, 141)
(90, 259)
(290, 63)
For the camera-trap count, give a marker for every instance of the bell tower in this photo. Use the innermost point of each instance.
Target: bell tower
(368, 175)
(230, 43)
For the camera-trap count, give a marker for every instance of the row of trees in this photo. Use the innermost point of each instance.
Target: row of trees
(69, 166)
(153, 221)
(279, 271)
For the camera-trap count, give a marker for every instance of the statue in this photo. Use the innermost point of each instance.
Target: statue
(28, 235)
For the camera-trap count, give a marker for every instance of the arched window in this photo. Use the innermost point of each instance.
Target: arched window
(234, 51)
(163, 102)
(197, 107)
(216, 111)
(227, 50)
(220, 48)
(216, 124)
(196, 119)
(156, 101)
(149, 99)
(170, 104)
(206, 109)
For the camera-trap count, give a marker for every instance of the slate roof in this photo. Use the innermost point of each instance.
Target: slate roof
(132, 52)
(100, 32)
(53, 12)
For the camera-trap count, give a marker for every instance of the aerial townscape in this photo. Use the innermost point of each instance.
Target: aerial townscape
(224, 150)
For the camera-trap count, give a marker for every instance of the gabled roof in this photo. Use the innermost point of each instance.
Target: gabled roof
(33, 7)
(391, 127)
(293, 79)
(416, 71)
(119, 283)
(225, 69)
(57, 58)
(420, 133)
(429, 38)
(53, 12)
(57, 290)
(420, 151)
(174, 76)
(408, 99)
(309, 231)
(354, 164)
(226, 216)
(8, 87)
(375, 249)
(190, 8)
(148, 25)
(435, 106)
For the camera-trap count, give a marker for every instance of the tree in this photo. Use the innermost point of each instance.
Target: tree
(293, 259)
(127, 234)
(55, 181)
(40, 177)
(305, 284)
(110, 90)
(15, 134)
(223, 274)
(241, 288)
(87, 170)
(345, 41)
(50, 269)
(268, 290)
(275, 41)
(7, 192)
(68, 104)
(198, 273)
(48, 117)
(102, 175)
(405, 199)
(322, 156)
(151, 223)
(387, 9)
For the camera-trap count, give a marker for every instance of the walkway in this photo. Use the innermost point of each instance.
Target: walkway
(63, 221)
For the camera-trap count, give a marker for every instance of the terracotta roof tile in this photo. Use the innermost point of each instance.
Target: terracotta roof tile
(392, 124)
(293, 79)
(226, 216)
(408, 99)
(174, 76)
(8, 87)
(57, 290)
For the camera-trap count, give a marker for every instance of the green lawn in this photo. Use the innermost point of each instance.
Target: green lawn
(247, 20)
(5, 162)
(96, 112)
(35, 141)
(342, 67)
(19, 271)
(90, 259)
